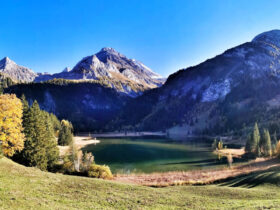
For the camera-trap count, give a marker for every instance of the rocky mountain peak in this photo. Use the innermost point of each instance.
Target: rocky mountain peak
(121, 73)
(18, 73)
(6, 61)
(66, 69)
(108, 50)
(270, 37)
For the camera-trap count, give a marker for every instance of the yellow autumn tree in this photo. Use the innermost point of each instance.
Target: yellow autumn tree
(11, 136)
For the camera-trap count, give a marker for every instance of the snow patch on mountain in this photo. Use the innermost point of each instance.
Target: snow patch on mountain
(67, 69)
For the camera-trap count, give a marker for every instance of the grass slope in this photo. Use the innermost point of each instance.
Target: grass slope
(30, 188)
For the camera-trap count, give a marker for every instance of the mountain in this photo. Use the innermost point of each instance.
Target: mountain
(17, 73)
(92, 93)
(224, 94)
(67, 69)
(89, 105)
(121, 73)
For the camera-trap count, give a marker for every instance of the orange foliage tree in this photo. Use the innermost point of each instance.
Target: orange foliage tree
(11, 135)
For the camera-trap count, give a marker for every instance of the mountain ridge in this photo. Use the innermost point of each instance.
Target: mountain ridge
(125, 75)
(222, 94)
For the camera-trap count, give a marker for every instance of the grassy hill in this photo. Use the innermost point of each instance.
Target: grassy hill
(30, 188)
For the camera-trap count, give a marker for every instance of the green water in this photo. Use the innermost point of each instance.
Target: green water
(152, 155)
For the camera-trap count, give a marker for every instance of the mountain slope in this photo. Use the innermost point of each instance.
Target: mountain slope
(17, 73)
(125, 75)
(88, 105)
(220, 95)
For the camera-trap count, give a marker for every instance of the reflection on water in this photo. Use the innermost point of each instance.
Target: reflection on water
(137, 155)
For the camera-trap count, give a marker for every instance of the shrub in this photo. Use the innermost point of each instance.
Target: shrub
(278, 149)
(220, 145)
(87, 161)
(68, 167)
(98, 171)
(70, 158)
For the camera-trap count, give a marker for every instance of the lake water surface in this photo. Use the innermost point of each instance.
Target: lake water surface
(144, 155)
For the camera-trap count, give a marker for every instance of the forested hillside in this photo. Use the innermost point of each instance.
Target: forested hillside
(225, 94)
(88, 105)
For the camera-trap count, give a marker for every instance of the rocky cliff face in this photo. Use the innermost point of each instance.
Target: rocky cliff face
(17, 73)
(223, 94)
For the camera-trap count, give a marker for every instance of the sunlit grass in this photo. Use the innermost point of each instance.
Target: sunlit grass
(30, 188)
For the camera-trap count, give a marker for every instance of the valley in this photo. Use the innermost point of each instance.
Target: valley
(206, 99)
(140, 105)
(209, 128)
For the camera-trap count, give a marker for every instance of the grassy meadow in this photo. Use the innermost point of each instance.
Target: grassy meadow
(30, 188)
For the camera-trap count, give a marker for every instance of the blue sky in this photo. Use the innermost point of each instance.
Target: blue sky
(165, 35)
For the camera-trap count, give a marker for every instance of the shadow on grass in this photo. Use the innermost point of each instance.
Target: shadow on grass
(269, 176)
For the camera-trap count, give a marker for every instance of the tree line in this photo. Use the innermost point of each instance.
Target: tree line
(31, 137)
(261, 143)
(28, 134)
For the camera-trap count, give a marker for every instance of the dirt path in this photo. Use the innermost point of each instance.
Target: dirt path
(198, 176)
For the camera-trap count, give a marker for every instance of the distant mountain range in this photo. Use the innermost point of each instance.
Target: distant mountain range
(121, 73)
(91, 94)
(223, 95)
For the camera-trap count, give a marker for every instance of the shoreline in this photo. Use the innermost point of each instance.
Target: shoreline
(191, 177)
(196, 177)
(226, 139)
(122, 134)
(80, 142)
(229, 151)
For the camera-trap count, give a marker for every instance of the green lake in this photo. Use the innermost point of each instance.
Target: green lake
(144, 155)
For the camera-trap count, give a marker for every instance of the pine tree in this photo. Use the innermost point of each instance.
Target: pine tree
(55, 124)
(25, 106)
(266, 144)
(40, 146)
(65, 135)
(262, 141)
(214, 144)
(52, 151)
(249, 148)
(274, 142)
(255, 139)
(35, 149)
